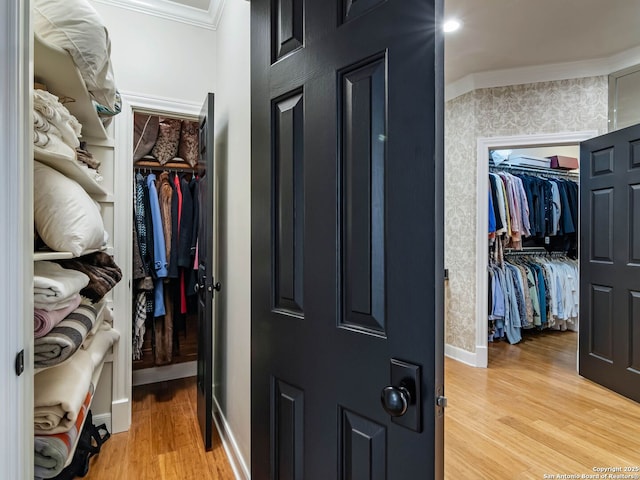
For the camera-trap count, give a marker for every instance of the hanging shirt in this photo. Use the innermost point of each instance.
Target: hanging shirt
(492, 217)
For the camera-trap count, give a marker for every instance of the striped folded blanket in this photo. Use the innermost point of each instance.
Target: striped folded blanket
(52, 451)
(65, 339)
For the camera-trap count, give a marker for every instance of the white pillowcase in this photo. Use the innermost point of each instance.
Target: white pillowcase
(66, 217)
(75, 26)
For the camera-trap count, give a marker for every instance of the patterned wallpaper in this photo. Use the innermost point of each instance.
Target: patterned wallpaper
(537, 108)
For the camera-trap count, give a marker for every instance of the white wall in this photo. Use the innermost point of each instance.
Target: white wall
(233, 157)
(158, 57)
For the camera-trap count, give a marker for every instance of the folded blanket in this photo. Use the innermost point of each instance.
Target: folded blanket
(91, 172)
(52, 451)
(100, 344)
(40, 139)
(87, 158)
(67, 337)
(58, 115)
(58, 394)
(55, 109)
(54, 286)
(102, 271)
(44, 322)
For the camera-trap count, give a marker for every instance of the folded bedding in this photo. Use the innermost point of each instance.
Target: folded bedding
(100, 268)
(40, 139)
(59, 393)
(86, 157)
(75, 26)
(52, 451)
(65, 338)
(44, 321)
(99, 344)
(57, 115)
(55, 287)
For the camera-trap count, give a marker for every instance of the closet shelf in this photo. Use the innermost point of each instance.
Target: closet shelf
(38, 256)
(52, 255)
(55, 68)
(71, 168)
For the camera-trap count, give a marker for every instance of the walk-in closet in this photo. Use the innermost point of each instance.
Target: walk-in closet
(532, 278)
(165, 233)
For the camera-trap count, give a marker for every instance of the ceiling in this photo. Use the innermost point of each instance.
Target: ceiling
(510, 34)
(507, 34)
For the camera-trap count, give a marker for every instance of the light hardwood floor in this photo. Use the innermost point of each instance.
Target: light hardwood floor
(528, 415)
(164, 441)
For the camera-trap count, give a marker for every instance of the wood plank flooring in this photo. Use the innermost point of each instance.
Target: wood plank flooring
(528, 415)
(164, 441)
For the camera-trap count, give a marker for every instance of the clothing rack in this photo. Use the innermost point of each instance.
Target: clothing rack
(147, 166)
(538, 171)
(534, 251)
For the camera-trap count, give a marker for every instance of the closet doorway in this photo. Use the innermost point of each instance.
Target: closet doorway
(527, 252)
(168, 338)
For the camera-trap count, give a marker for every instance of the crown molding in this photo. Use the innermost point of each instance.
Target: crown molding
(543, 73)
(166, 9)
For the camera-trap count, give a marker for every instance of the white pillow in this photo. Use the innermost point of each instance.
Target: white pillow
(75, 26)
(66, 217)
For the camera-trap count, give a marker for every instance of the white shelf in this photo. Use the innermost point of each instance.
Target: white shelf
(71, 168)
(51, 255)
(55, 68)
(38, 256)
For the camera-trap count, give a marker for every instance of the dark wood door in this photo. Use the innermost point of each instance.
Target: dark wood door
(347, 228)
(610, 261)
(206, 237)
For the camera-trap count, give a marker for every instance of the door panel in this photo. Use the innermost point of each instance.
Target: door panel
(362, 163)
(288, 188)
(346, 236)
(205, 252)
(609, 267)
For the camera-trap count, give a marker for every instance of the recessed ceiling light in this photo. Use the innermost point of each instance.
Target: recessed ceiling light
(451, 25)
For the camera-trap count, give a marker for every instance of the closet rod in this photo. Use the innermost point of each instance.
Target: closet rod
(524, 253)
(535, 171)
(166, 169)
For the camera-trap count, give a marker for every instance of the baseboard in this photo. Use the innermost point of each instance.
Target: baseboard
(103, 418)
(164, 374)
(475, 359)
(238, 464)
(120, 415)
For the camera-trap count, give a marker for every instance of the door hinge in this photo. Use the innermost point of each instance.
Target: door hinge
(441, 401)
(19, 365)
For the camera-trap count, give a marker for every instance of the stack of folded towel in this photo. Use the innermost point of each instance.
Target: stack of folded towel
(62, 396)
(70, 345)
(56, 130)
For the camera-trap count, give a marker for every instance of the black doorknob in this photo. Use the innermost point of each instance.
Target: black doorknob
(395, 400)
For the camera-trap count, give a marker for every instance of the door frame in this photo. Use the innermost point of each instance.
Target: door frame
(16, 299)
(481, 356)
(123, 245)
